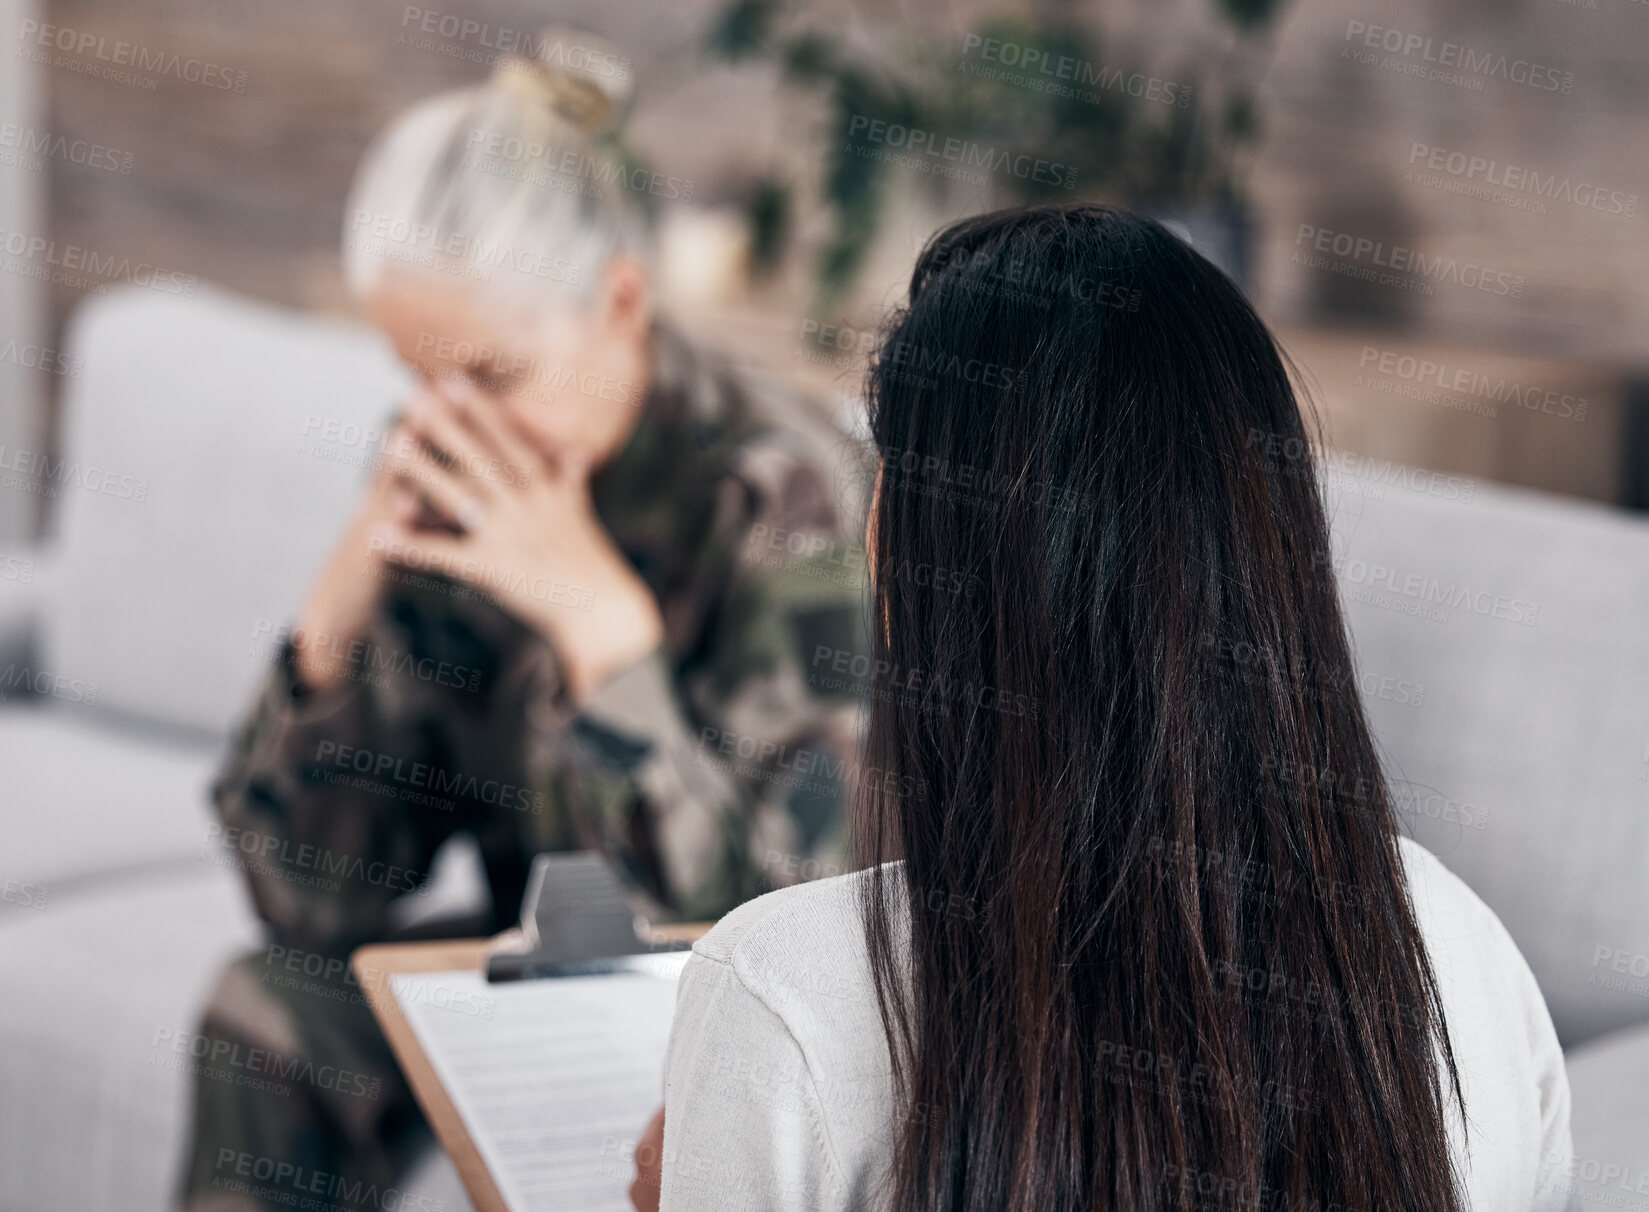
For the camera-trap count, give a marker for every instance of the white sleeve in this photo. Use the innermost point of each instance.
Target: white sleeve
(1517, 1155)
(1555, 1187)
(743, 1124)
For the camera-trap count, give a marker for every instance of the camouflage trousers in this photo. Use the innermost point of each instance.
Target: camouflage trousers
(298, 1102)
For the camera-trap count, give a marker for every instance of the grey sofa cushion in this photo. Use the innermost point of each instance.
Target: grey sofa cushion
(213, 450)
(1503, 654)
(1609, 1083)
(85, 798)
(92, 1117)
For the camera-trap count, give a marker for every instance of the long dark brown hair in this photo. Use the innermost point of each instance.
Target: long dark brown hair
(1151, 945)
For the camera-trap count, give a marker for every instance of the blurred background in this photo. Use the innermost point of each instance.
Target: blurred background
(1449, 234)
(1437, 204)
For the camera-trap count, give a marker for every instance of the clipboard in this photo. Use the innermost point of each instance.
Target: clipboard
(574, 923)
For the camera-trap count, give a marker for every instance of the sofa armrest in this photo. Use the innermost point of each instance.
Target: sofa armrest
(24, 573)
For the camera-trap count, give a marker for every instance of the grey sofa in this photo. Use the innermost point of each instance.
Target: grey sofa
(1519, 746)
(211, 449)
(1503, 652)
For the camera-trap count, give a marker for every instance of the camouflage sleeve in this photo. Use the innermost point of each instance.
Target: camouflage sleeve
(335, 802)
(322, 859)
(718, 777)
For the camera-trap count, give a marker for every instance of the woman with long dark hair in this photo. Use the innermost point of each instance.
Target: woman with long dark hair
(1138, 929)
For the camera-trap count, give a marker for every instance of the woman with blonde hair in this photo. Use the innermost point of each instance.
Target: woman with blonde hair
(579, 606)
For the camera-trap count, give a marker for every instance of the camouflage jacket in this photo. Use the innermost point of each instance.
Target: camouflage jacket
(711, 771)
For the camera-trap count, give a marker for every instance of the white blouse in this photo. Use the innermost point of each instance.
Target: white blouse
(778, 1090)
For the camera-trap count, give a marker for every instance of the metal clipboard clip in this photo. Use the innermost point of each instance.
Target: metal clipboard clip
(575, 922)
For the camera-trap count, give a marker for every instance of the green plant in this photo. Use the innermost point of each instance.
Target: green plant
(1179, 146)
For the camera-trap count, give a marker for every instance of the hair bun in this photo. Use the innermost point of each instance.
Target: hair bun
(575, 74)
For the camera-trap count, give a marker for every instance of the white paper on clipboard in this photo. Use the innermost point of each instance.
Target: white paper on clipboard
(555, 1078)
